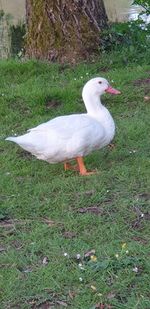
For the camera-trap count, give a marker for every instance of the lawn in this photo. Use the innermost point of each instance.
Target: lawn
(70, 241)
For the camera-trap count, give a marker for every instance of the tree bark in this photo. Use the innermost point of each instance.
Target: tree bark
(64, 30)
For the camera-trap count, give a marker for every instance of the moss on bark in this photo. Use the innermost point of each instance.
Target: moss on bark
(64, 30)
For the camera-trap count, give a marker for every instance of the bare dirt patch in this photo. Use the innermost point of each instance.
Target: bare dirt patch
(144, 83)
(139, 82)
(50, 104)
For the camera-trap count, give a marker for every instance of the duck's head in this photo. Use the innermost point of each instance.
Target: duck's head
(98, 86)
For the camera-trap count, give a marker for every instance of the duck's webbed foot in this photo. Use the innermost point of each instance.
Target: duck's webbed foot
(82, 169)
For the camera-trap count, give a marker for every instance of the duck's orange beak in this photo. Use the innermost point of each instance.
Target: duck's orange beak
(112, 90)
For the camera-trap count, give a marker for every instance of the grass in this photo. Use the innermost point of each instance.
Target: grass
(48, 216)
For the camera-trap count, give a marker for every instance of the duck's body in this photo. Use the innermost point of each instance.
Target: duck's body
(74, 136)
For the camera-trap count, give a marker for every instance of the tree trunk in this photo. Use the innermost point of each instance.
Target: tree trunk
(64, 30)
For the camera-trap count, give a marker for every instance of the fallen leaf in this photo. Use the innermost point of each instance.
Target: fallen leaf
(103, 306)
(72, 294)
(11, 223)
(69, 234)
(89, 253)
(94, 209)
(28, 270)
(100, 306)
(146, 215)
(16, 244)
(147, 98)
(140, 240)
(2, 249)
(136, 224)
(111, 146)
(53, 104)
(111, 295)
(139, 82)
(50, 222)
(138, 211)
(24, 154)
(145, 196)
(62, 303)
(93, 287)
(88, 193)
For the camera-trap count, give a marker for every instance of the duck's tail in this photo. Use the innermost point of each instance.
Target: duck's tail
(11, 139)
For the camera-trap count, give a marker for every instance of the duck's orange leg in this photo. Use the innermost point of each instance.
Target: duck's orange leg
(68, 166)
(82, 168)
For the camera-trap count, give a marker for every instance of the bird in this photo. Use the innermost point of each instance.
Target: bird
(72, 137)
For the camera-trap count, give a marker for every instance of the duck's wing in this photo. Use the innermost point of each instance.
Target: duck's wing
(62, 123)
(67, 126)
(63, 138)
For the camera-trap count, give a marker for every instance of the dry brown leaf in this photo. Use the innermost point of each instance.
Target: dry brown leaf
(50, 222)
(94, 209)
(11, 222)
(145, 196)
(147, 98)
(28, 270)
(89, 253)
(87, 193)
(62, 303)
(111, 146)
(103, 306)
(72, 294)
(2, 249)
(144, 81)
(111, 295)
(52, 104)
(69, 234)
(140, 240)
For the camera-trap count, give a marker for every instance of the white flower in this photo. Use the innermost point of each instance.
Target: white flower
(80, 279)
(81, 266)
(66, 254)
(135, 269)
(133, 151)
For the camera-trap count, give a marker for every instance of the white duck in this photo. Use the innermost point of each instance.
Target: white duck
(73, 136)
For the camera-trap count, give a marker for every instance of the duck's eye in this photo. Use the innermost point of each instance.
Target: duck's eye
(100, 82)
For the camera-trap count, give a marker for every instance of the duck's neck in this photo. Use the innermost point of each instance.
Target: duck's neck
(93, 104)
(96, 110)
